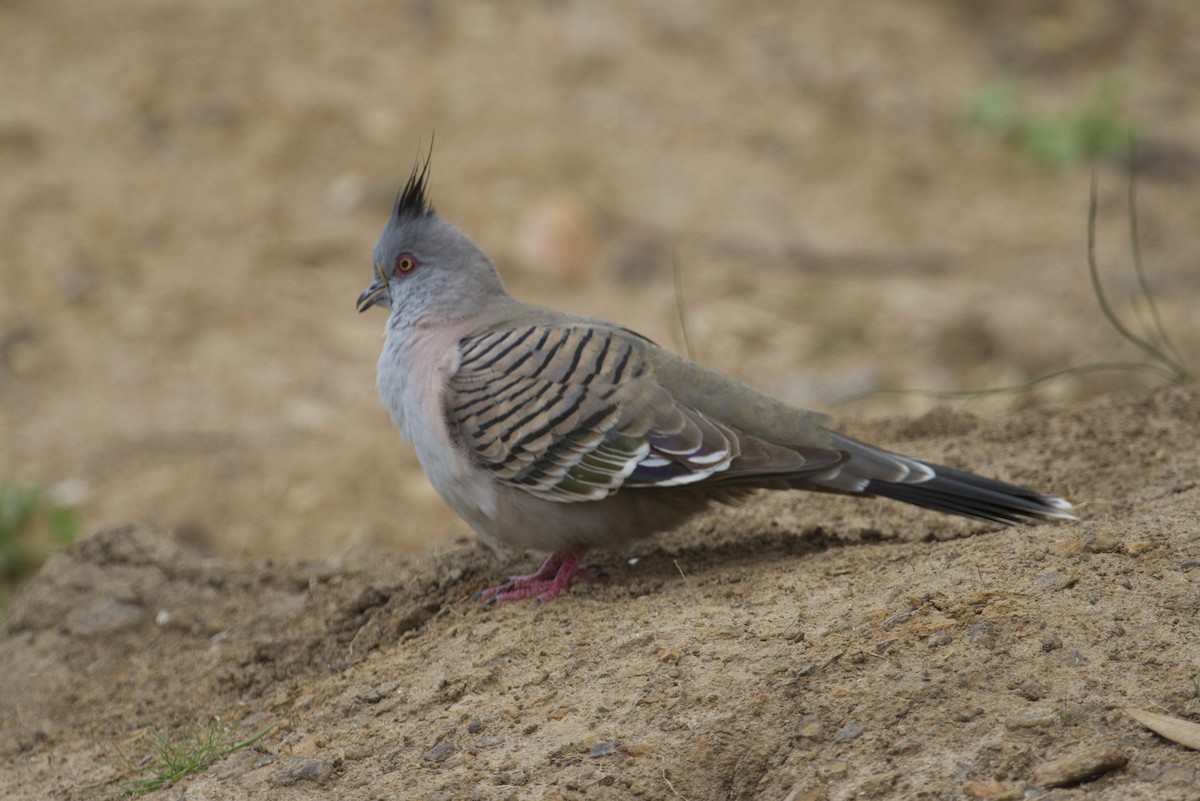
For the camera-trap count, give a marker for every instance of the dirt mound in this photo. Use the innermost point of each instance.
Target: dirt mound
(801, 647)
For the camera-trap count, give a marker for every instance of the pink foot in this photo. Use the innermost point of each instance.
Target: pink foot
(558, 572)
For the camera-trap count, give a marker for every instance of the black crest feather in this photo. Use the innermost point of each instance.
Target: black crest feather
(412, 202)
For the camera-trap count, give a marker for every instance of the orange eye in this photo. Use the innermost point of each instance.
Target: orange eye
(405, 263)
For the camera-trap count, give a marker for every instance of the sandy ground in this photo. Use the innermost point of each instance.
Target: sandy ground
(190, 195)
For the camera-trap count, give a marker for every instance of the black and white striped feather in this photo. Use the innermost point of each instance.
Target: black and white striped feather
(572, 412)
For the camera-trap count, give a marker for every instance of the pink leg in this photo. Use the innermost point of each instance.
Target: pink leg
(560, 569)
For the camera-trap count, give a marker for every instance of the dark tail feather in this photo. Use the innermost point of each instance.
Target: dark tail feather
(961, 493)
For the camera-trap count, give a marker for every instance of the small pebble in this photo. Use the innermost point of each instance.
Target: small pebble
(938, 639)
(851, 731)
(604, 748)
(1102, 543)
(356, 752)
(302, 769)
(1054, 580)
(474, 725)
(895, 620)
(1077, 768)
(967, 715)
(1036, 719)
(1052, 643)
(1188, 564)
(441, 752)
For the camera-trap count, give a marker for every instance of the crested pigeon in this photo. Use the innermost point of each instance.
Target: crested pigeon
(561, 433)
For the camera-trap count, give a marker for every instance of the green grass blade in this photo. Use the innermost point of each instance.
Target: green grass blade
(1098, 290)
(1168, 353)
(191, 751)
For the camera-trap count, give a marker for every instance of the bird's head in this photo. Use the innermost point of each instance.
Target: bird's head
(424, 263)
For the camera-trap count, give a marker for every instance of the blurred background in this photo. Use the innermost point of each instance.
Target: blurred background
(857, 195)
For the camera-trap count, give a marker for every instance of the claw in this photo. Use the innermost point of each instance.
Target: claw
(556, 574)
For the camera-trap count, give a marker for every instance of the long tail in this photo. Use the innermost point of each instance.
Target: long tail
(961, 493)
(873, 471)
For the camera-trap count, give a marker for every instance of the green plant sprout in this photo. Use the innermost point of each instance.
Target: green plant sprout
(31, 528)
(1090, 131)
(191, 751)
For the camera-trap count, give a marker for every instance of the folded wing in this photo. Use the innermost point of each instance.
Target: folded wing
(573, 412)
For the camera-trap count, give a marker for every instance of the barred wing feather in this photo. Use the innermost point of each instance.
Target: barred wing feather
(572, 412)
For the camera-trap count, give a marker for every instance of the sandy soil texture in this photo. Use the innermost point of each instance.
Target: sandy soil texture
(190, 196)
(884, 653)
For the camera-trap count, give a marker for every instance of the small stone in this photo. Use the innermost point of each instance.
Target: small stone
(967, 715)
(938, 639)
(1188, 564)
(1052, 643)
(441, 752)
(851, 731)
(1139, 548)
(474, 725)
(357, 752)
(302, 769)
(1036, 719)
(604, 748)
(895, 620)
(1079, 767)
(1031, 690)
(1054, 580)
(1103, 543)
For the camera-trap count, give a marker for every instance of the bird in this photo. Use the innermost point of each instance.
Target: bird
(561, 433)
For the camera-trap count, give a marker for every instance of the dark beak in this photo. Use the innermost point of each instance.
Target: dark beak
(373, 295)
